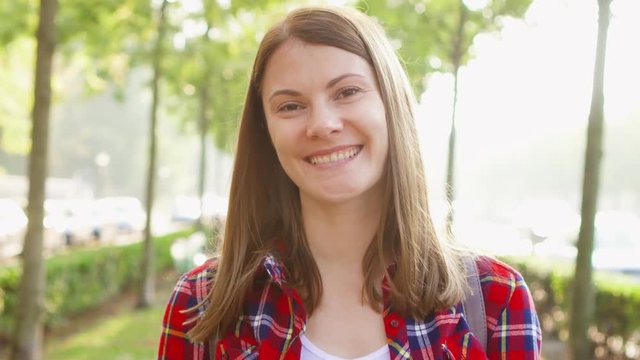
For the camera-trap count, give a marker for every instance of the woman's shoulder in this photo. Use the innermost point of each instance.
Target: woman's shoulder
(492, 269)
(503, 286)
(198, 281)
(512, 323)
(205, 270)
(185, 304)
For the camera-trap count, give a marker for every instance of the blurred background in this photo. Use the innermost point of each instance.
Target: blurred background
(517, 76)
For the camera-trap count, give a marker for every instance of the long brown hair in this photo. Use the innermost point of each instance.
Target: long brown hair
(264, 203)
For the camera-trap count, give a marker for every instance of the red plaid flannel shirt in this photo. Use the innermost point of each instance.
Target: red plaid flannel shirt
(274, 318)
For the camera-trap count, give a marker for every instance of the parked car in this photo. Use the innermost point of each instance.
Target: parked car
(187, 208)
(123, 213)
(616, 243)
(539, 219)
(71, 219)
(13, 224)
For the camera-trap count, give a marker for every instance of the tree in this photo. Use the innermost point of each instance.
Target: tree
(583, 296)
(203, 128)
(456, 59)
(437, 35)
(68, 31)
(30, 314)
(97, 44)
(207, 74)
(147, 286)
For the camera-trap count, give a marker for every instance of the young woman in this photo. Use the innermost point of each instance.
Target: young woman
(329, 250)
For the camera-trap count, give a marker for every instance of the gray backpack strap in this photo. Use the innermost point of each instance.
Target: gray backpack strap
(473, 305)
(212, 349)
(211, 343)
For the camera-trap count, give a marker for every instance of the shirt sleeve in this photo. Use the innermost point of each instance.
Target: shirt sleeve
(174, 343)
(513, 325)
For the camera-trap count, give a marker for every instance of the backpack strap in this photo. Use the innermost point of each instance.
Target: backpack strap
(473, 305)
(212, 348)
(211, 344)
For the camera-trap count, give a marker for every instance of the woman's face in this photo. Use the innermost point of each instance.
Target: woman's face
(326, 120)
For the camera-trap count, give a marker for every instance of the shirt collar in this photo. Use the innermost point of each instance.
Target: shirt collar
(274, 268)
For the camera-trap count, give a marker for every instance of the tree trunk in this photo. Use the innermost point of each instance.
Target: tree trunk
(30, 314)
(147, 286)
(583, 297)
(456, 59)
(203, 128)
(204, 120)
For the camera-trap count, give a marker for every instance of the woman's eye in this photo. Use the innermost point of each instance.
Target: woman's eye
(347, 92)
(289, 107)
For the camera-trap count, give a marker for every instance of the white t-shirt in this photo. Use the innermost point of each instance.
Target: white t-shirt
(312, 352)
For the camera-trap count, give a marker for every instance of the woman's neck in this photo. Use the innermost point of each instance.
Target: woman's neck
(339, 234)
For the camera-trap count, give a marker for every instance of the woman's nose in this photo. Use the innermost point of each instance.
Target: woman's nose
(323, 121)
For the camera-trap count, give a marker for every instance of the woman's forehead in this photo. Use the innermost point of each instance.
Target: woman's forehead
(296, 62)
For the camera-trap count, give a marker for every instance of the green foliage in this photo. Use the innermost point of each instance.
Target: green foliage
(16, 65)
(82, 279)
(19, 18)
(105, 38)
(617, 300)
(208, 70)
(110, 35)
(425, 30)
(100, 40)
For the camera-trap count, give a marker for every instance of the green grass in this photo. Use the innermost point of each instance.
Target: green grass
(128, 336)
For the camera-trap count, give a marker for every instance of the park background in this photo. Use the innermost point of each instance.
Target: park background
(524, 93)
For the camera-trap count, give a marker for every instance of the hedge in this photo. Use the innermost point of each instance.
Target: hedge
(83, 279)
(615, 327)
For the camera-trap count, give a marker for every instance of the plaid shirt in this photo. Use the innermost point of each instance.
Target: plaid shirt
(274, 318)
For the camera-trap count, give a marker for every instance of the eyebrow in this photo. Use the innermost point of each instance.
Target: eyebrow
(331, 83)
(341, 77)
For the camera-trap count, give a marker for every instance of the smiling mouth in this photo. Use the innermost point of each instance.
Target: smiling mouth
(335, 156)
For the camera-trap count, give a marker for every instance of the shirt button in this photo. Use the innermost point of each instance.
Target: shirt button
(394, 323)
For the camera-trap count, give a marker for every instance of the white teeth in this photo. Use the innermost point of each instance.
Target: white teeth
(336, 156)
